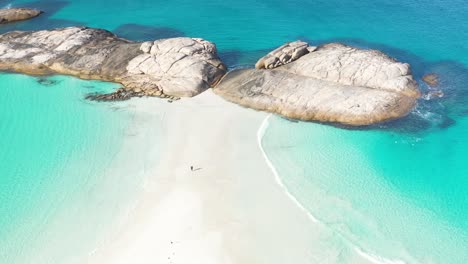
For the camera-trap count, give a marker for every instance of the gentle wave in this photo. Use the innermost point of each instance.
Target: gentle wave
(260, 133)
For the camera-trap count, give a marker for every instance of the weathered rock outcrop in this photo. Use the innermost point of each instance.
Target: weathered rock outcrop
(334, 83)
(175, 67)
(330, 83)
(17, 14)
(285, 54)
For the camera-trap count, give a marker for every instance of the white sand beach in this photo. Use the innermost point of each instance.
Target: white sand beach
(230, 209)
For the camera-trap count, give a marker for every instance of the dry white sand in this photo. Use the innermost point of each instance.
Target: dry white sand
(229, 210)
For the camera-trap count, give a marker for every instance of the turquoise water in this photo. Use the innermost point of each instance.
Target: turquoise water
(55, 150)
(397, 190)
(399, 196)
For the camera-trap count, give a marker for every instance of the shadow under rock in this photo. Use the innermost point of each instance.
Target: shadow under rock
(138, 32)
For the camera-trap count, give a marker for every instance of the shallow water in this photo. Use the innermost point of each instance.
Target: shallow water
(56, 148)
(396, 190)
(400, 196)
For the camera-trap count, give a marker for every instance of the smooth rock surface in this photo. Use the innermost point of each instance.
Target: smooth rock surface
(17, 14)
(176, 67)
(335, 83)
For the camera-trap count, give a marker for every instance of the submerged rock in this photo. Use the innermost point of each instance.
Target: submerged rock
(177, 66)
(334, 83)
(17, 14)
(431, 79)
(119, 95)
(46, 82)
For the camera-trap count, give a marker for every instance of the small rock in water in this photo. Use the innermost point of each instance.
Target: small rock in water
(432, 79)
(9, 15)
(46, 82)
(447, 122)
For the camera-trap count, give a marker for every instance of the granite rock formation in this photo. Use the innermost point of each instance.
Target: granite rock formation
(285, 54)
(169, 67)
(330, 83)
(17, 14)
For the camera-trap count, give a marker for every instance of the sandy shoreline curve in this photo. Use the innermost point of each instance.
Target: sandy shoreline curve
(260, 133)
(229, 209)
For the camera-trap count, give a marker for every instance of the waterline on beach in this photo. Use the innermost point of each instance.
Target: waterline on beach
(332, 172)
(260, 134)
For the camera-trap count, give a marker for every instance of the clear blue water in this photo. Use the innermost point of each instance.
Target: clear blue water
(397, 190)
(56, 148)
(399, 196)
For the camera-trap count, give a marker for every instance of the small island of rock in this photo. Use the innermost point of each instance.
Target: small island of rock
(17, 14)
(329, 83)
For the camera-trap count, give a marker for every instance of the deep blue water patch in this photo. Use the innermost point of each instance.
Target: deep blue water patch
(237, 58)
(137, 32)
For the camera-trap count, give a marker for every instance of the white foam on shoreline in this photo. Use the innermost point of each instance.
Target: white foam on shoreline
(260, 133)
(377, 259)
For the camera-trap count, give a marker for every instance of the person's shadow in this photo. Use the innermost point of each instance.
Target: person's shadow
(194, 169)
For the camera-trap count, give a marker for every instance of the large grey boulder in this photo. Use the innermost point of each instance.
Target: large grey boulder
(17, 14)
(168, 67)
(334, 83)
(182, 66)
